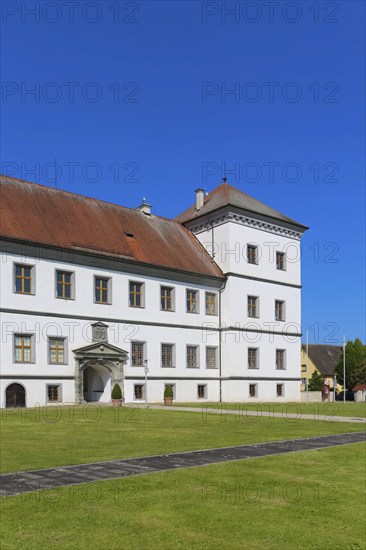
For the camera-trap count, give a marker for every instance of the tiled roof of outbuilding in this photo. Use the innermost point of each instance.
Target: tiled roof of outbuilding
(325, 357)
(43, 215)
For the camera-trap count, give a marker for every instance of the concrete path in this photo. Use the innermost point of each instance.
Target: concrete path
(206, 410)
(34, 480)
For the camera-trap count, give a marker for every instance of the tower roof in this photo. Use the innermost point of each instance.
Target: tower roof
(227, 195)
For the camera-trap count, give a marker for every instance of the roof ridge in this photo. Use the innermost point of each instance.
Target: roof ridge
(93, 199)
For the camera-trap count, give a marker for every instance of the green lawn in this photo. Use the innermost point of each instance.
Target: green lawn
(314, 409)
(45, 437)
(303, 501)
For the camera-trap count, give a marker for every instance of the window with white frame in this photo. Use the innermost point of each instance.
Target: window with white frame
(253, 362)
(24, 348)
(102, 290)
(136, 294)
(253, 306)
(167, 355)
(192, 301)
(57, 350)
(139, 391)
(53, 393)
(23, 279)
(192, 357)
(252, 254)
(279, 310)
(202, 391)
(167, 298)
(211, 303)
(280, 359)
(211, 357)
(281, 261)
(64, 284)
(138, 354)
(253, 390)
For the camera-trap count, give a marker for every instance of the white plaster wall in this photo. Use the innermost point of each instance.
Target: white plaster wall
(44, 299)
(230, 242)
(232, 392)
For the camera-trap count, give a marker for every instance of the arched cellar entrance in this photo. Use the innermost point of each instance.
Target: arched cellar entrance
(97, 384)
(15, 396)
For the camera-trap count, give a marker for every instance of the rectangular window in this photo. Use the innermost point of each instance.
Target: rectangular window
(280, 359)
(64, 286)
(279, 310)
(211, 303)
(252, 390)
(252, 358)
(202, 391)
(167, 298)
(138, 354)
(281, 261)
(192, 357)
(53, 393)
(303, 381)
(303, 368)
(56, 350)
(136, 294)
(23, 344)
(252, 306)
(167, 355)
(211, 357)
(252, 254)
(192, 301)
(280, 390)
(138, 391)
(23, 279)
(102, 290)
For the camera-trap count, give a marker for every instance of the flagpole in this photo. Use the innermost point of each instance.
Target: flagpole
(344, 368)
(307, 371)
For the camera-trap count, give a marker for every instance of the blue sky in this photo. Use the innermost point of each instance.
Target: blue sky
(154, 99)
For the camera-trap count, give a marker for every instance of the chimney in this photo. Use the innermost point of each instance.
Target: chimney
(144, 207)
(200, 198)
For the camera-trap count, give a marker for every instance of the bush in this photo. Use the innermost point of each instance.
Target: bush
(168, 392)
(116, 392)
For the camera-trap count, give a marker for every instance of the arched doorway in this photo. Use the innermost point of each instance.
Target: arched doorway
(15, 396)
(97, 383)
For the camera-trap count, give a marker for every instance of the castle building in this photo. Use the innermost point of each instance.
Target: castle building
(94, 294)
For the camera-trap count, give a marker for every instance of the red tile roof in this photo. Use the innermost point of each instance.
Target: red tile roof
(225, 195)
(46, 216)
(359, 387)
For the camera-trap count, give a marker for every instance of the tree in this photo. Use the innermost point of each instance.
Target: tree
(316, 382)
(355, 365)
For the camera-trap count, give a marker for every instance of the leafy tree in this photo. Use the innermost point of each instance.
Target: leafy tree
(355, 364)
(316, 381)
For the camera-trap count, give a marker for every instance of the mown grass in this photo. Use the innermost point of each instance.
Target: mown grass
(46, 437)
(308, 500)
(313, 409)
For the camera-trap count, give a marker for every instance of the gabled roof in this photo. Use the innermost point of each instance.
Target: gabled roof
(227, 195)
(324, 357)
(43, 215)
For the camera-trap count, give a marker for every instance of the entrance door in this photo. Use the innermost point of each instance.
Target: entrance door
(15, 396)
(97, 384)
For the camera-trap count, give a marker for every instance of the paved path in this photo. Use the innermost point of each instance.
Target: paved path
(34, 480)
(206, 410)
